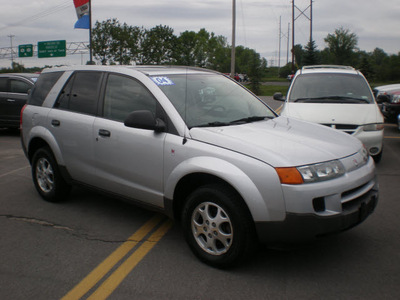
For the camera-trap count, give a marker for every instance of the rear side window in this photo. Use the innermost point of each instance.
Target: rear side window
(19, 86)
(42, 87)
(80, 94)
(3, 85)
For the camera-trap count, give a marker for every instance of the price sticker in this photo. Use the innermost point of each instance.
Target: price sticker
(162, 80)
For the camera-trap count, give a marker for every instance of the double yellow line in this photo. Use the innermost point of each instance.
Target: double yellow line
(115, 278)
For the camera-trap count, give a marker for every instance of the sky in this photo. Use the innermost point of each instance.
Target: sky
(377, 25)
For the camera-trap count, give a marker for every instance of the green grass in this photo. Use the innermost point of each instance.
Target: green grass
(270, 90)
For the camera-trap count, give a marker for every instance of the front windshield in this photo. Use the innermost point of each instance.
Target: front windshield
(211, 100)
(331, 88)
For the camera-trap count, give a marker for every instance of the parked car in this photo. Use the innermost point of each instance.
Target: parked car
(13, 95)
(339, 97)
(398, 121)
(385, 88)
(200, 148)
(390, 104)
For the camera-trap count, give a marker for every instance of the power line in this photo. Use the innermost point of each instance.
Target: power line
(45, 13)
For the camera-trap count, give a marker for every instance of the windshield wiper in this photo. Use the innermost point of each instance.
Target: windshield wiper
(333, 99)
(249, 119)
(235, 122)
(213, 124)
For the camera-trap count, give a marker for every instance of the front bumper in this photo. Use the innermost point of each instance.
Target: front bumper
(301, 227)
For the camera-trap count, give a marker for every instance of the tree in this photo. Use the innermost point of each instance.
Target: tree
(311, 56)
(184, 51)
(158, 45)
(298, 55)
(102, 40)
(341, 46)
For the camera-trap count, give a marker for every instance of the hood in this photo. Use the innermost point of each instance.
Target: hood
(327, 113)
(281, 142)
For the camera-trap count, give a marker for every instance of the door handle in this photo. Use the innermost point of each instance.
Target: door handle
(11, 100)
(105, 133)
(55, 122)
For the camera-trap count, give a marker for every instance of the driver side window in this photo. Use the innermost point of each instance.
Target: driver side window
(124, 95)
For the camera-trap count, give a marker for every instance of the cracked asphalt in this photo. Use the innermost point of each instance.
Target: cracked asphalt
(46, 249)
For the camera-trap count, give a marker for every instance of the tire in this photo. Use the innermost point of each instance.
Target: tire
(377, 158)
(218, 226)
(47, 177)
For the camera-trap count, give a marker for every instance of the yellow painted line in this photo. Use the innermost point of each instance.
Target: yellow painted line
(115, 279)
(101, 270)
(392, 137)
(279, 110)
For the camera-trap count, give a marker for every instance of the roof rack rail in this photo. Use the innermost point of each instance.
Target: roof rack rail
(328, 67)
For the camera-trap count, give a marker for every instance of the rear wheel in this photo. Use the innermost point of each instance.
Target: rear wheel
(46, 176)
(218, 226)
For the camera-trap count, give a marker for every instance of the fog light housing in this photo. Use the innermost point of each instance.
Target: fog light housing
(319, 204)
(373, 150)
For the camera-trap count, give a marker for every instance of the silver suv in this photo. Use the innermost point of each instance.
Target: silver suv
(199, 147)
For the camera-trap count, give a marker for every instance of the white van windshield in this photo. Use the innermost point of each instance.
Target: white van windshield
(330, 88)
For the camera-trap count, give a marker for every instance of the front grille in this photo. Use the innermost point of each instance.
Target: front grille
(348, 128)
(352, 199)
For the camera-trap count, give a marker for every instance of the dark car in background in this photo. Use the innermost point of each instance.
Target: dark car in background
(389, 100)
(13, 95)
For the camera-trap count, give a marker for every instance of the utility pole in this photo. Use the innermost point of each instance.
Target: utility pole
(280, 36)
(302, 12)
(293, 36)
(283, 35)
(311, 1)
(233, 53)
(12, 56)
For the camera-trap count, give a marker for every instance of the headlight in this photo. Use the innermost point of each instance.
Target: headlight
(396, 99)
(321, 172)
(373, 127)
(311, 173)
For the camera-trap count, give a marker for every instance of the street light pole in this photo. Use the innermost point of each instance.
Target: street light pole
(12, 56)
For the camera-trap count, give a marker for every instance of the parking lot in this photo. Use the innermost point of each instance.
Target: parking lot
(94, 247)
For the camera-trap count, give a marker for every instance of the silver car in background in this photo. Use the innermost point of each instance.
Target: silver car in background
(200, 148)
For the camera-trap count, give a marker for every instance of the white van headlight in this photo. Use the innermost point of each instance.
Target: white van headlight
(373, 127)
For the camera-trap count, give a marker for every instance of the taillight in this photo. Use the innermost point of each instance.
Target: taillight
(20, 117)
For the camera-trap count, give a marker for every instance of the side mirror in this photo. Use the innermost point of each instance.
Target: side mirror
(278, 96)
(144, 119)
(383, 98)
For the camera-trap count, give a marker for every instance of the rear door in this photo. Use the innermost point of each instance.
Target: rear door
(71, 123)
(3, 98)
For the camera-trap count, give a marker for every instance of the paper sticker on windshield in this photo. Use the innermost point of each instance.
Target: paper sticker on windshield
(162, 80)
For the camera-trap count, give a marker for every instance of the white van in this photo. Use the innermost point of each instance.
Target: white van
(339, 97)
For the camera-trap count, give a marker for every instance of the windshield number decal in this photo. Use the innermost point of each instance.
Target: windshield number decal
(162, 80)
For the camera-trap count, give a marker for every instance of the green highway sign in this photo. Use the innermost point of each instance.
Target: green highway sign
(52, 49)
(25, 50)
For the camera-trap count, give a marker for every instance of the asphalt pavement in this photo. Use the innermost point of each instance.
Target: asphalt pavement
(95, 247)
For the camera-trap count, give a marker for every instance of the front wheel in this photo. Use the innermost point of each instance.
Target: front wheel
(218, 226)
(46, 176)
(377, 158)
